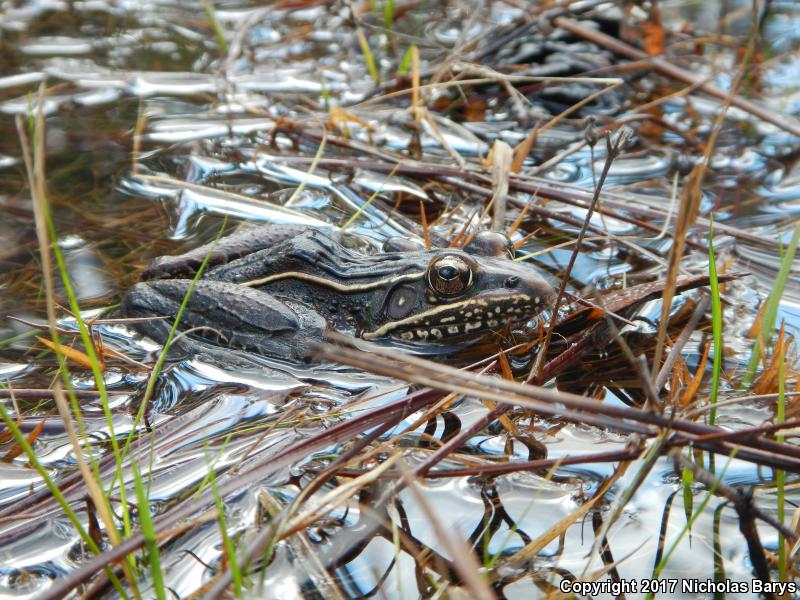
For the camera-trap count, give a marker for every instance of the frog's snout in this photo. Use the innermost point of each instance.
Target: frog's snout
(528, 282)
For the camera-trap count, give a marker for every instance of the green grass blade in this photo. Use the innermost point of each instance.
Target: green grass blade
(311, 168)
(151, 382)
(99, 380)
(34, 156)
(366, 204)
(405, 62)
(149, 535)
(18, 337)
(710, 494)
(326, 96)
(687, 479)
(210, 475)
(369, 59)
(219, 32)
(388, 14)
(89, 348)
(230, 551)
(27, 449)
(771, 311)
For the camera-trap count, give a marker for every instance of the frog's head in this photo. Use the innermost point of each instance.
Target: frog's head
(461, 294)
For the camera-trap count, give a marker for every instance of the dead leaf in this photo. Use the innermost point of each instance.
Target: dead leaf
(688, 395)
(339, 118)
(653, 34)
(77, 356)
(6, 435)
(16, 449)
(523, 149)
(474, 111)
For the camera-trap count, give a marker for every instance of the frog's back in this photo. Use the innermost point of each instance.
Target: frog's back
(229, 248)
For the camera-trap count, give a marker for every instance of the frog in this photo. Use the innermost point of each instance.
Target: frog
(277, 290)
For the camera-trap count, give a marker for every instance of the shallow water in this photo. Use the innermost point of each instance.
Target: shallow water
(229, 137)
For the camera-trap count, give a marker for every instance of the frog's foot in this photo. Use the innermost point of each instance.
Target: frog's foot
(225, 313)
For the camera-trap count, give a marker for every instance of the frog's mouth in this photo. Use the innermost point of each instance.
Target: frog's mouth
(472, 316)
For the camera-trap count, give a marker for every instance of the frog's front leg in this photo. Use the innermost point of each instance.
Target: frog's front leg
(224, 312)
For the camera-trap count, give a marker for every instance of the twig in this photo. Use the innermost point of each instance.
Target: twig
(515, 466)
(615, 204)
(639, 364)
(667, 69)
(614, 148)
(48, 393)
(581, 409)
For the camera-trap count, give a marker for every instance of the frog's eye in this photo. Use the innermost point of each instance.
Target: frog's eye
(491, 243)
(449, 275)
(399, 244)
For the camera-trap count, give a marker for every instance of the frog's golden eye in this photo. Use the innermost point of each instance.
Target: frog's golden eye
(449, 275)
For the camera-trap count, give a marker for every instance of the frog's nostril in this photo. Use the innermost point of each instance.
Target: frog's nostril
(512, 281)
